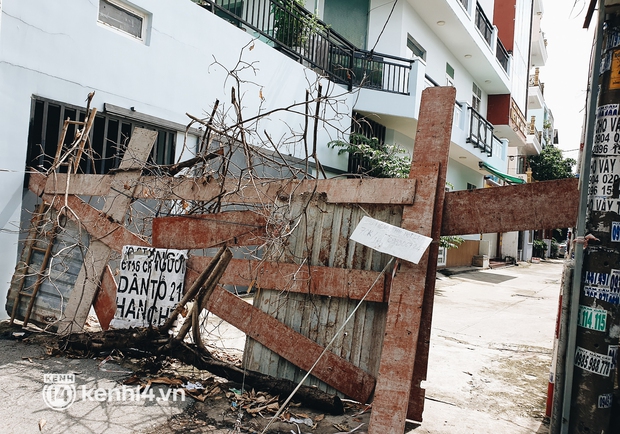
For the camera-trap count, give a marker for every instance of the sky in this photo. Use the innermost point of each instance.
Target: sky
(566, 73)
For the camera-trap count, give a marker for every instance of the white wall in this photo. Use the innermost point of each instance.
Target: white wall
(510, 243)
(520, 54)
(459, 175)
(405, 21)
(58, 50)
(490, 241)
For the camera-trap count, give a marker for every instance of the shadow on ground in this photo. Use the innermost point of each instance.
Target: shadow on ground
(481, 276)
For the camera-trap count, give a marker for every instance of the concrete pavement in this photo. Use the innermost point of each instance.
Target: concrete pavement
(491, 345)
(489, 364)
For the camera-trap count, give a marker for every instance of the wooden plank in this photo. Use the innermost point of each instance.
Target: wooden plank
(105, 300)
(432, 145)
(296, 348)
(315, 280)
(404, 329)
(259, 191)
(37, 183)
(233, 228)
(539, 205)
(402, 326)
(110, 233)
(320, 237)
(98, 253)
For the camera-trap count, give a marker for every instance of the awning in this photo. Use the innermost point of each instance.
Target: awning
(504, 176)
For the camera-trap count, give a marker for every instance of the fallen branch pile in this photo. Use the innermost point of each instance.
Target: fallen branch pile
(160, 342)
(154, 342)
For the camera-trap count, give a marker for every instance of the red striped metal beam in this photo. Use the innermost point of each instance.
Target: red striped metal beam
(258, 191)
(315, 280)
(232, 228)
(538, 205)
(294, 347)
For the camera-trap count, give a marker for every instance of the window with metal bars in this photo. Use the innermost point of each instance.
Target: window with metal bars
(109, 136)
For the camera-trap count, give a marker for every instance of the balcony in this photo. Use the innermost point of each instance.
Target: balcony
(502, 55)
(539, 50)
(299, 34)
(507, 117)
(535, 92)
(480, 132)
(484, 24)
(534, 140)
(466, 29)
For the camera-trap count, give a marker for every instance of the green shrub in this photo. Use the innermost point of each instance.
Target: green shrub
(540, 247)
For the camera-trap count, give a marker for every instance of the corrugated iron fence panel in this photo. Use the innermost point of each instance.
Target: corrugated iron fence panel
(59, 277)
(321, 237)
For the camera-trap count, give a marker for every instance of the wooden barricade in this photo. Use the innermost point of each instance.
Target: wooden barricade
(312, 275)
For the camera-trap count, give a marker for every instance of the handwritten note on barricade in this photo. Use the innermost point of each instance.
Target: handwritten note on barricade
(390, 239)
(149, 287)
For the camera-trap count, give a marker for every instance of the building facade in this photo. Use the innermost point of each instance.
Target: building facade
(150, 62)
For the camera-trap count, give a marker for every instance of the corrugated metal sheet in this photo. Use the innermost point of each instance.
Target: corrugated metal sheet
(322, 238)
(59, 277)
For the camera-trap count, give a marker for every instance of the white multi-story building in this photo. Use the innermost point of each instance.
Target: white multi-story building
(150, 62)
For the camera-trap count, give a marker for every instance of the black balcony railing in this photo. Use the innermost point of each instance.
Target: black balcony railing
(480, 132)
(299, 34)
(502, 55)
(483, 24)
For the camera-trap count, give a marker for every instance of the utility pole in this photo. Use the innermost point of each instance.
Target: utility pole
(592, 353)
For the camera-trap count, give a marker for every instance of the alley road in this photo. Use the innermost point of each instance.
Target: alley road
(491, 346)
(489, 366)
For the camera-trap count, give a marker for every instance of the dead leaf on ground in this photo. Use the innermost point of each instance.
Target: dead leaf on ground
(165, 380)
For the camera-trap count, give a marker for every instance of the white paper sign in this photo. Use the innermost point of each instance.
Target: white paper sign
(390, 239)
(149, 287)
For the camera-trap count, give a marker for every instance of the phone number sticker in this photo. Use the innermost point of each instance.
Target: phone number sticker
(612, 352)
(593, 319)
(604, 401)
(593, 362)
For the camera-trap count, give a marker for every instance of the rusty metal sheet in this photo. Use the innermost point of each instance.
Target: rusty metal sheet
(282, 276)
(258, 191)
(59, 279)
(539, 205)
(105, 300)
(303, 352)
(233, 228)
(321, 239)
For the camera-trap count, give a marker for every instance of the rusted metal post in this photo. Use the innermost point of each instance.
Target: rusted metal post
(404, 357)
(432, 145)
(598, 315)
(561, 334)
